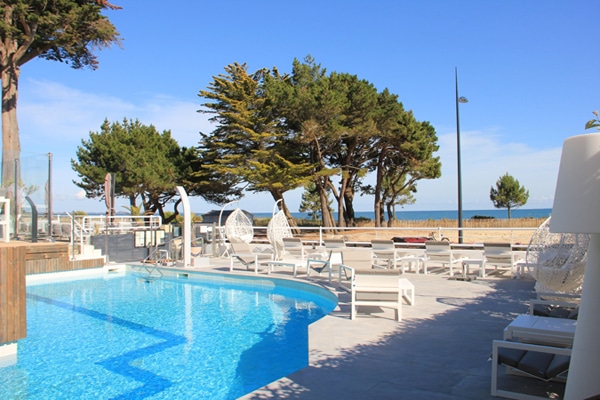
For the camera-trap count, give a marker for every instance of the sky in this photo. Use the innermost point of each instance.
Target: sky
(528, 68)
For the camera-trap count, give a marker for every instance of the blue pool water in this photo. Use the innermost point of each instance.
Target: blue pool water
(128, 338)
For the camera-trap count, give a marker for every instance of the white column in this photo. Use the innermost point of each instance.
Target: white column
(584, 372)
(187, 227)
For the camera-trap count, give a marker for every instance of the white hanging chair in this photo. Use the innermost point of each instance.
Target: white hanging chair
(238, 227)
(277, 229)
(558, 260)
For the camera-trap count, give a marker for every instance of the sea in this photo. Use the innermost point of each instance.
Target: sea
(436, 215)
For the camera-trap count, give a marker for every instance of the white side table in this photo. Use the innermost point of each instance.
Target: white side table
(409, 261)
(479, 262)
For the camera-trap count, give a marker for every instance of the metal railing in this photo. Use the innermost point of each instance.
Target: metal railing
(359, 234)
(81, 228)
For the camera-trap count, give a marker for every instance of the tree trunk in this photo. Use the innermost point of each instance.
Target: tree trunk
(391, 212)
(321, 185)
(11, 146)
(286, 211)
(325, 211)
(350, 216)
(341, 203)
(378, 201)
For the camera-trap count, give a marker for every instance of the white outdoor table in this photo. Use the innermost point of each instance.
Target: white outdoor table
(466, 265)
(408, 261)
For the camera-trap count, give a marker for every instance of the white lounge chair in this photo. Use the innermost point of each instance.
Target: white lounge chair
(501, 255)
(526, 359)
(293, 247)
(557, 305)
(353, 259)
(373, 287)
(295, 254)
(385, 250)
(333, 254)
(439, 252)
(248, 256)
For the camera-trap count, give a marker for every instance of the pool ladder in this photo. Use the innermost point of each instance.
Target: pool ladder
(152, 268)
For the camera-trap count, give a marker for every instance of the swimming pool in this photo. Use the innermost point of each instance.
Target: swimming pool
(183, 336)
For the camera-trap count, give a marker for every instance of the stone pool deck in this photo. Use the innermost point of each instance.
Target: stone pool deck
(439, 350)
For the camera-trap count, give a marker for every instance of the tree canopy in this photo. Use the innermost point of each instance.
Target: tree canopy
(147, 164)
(280, 132)
(248, 145)
(508, 193)
(273, 133)
(58, 30)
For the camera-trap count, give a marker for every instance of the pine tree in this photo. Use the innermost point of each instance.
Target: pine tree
(508, 193)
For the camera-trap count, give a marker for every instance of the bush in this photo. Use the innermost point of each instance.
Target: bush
(482, 217)
(261, 221)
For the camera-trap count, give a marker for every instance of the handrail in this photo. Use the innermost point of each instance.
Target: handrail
(164, 254)
(151, 267)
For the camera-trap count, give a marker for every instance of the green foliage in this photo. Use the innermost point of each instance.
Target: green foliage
(508, 193)
(145, 163)
(311, 202)
(66, 31)
(279, 132)
(199, 180)
(178, 218)
(311, 112)
(405, 149)
(264, 222)
(134, 210)
(594, 122)
(248, 146)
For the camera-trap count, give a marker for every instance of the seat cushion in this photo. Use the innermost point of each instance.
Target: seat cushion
(560, 312)
(541, 310)
(510, 357)
(574, 313)
(560, 363)
(535, 363)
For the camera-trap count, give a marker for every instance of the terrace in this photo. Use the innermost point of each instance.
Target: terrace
(439, 350)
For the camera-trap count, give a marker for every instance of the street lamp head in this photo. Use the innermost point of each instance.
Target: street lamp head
(462, 99)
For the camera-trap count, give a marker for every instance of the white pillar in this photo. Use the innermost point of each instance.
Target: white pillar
(584, 372)
(187, 227)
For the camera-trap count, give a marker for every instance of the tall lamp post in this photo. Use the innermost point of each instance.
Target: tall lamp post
(459, 100)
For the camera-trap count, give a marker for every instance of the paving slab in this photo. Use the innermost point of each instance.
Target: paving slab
(440, 349)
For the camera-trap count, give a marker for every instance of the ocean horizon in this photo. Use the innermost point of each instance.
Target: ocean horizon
(410, 215)
(439, 214)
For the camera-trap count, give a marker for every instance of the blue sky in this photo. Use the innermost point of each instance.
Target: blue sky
(529, 69)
